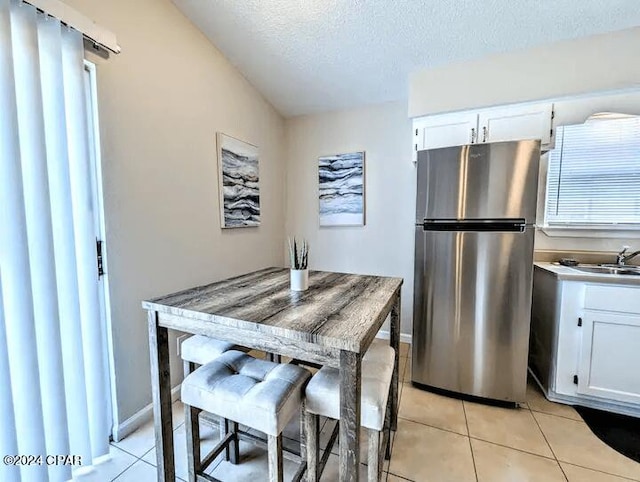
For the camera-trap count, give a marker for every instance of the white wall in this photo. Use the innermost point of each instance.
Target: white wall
(161, 102)
(384, 246)
(572, 67)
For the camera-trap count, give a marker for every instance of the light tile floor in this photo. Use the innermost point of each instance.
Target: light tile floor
(439, 439)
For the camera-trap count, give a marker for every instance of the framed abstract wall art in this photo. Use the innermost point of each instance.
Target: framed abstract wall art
(239, 175)
(341, 189)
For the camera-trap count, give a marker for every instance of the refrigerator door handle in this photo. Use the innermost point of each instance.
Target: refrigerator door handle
(475, 225)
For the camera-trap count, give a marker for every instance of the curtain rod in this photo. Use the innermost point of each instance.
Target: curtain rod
(98, 38)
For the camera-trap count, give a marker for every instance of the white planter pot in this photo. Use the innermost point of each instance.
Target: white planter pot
(299, 279)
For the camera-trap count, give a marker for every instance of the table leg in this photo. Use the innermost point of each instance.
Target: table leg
(161, 391)
(350, 380)
(395, 344)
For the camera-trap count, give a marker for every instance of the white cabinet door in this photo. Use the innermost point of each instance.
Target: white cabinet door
(609, 364)
(516, 123)
(569, 337)
(445, 130)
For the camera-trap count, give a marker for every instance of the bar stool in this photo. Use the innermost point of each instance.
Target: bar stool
(323, 399)
(200, 349)
(257, 393)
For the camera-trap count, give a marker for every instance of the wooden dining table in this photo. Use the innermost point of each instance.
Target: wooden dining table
(332, 324)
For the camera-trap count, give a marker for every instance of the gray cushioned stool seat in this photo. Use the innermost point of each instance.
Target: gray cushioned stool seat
(323, 399)
(202, 349)
(257, 393)
(323, 391)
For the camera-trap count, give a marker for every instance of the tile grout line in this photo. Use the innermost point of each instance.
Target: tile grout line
(483, 440)
(473, 458)
(127, 468)
(550, 447)
(129, 453)
(600, 471)
(399, 477)
(433, 426)
(556, 415)
(516, 449)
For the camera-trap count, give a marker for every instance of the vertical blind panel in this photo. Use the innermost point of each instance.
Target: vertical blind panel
(594, 173)
(53, 89)
(8, 439)
(17, 295)
(85, 240)
(53, 398)
(40, 236)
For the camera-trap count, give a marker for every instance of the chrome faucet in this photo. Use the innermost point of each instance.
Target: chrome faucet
(622, 257)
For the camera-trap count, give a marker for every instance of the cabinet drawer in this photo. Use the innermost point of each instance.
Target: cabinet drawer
(623, 299)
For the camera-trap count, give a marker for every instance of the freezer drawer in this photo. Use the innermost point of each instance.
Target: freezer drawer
(479, 181)
(472, 304)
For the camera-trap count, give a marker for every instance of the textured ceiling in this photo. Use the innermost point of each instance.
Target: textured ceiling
(308, 56)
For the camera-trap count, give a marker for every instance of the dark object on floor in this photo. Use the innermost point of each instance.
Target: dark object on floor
(568, 262)
(620, 432)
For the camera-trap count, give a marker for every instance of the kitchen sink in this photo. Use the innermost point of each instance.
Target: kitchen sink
(617, 270)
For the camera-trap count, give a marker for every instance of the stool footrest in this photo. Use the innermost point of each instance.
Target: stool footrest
(206, 478)
(217, 450)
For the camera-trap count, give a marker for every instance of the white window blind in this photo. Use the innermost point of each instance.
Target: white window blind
(594, 175)
(53, 390)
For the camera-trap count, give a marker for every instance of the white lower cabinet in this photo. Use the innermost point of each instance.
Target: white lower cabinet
(585, 342)
(609, 364)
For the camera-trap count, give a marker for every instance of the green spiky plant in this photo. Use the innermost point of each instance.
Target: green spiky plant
(298, 253)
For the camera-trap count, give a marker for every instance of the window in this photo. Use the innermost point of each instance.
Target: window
(594, 175)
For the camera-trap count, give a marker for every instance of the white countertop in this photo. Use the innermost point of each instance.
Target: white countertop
(571, 274)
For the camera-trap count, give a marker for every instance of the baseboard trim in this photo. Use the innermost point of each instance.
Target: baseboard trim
(139, 418)
(404, 337)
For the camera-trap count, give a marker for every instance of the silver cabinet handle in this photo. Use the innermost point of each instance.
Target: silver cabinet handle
(484, 134)
(473, 135)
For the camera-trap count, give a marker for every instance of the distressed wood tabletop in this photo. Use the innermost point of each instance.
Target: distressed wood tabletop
(339, 310)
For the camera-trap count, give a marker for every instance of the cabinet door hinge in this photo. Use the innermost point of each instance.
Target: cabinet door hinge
(575, 379)
(579, 321)
(553, 114)
(99, 258)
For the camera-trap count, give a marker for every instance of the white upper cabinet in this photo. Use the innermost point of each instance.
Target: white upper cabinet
(512, 123)
(445, 130)
(531, 121)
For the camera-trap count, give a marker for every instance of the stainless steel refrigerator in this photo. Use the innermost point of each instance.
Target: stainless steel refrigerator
(475, 211)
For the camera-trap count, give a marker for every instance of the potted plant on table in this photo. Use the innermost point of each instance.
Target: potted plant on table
(299, 257)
